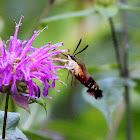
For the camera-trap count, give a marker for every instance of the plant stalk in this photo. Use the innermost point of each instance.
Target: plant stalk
(113, 131)
(116, 45)
(126, 73)
(5, 116)
(128, 114)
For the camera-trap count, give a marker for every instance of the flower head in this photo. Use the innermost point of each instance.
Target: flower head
(18, 68)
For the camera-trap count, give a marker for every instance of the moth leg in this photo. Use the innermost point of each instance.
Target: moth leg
(72, 78)
(74, 81)
(68, 75)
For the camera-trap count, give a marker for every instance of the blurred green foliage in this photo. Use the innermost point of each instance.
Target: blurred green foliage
(70, 117)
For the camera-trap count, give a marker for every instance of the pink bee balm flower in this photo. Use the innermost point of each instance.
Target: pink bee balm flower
(18, 68)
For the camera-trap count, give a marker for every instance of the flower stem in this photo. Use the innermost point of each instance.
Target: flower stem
(5, 116)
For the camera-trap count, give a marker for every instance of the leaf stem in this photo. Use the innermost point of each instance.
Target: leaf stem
(116, 46)
(5, 116)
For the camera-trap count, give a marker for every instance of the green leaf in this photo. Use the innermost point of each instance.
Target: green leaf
(12, 132)
(106, 12)
(112, 91)
(137, 87)
(82, 13)
(124, 7)
(39, 101)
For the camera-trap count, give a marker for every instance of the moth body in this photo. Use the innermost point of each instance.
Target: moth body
(78, 69)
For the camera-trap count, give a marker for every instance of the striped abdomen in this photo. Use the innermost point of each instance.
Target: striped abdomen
(85, 78)
(79, 70)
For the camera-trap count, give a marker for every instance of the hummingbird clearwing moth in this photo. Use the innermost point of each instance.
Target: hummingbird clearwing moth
(78, 69)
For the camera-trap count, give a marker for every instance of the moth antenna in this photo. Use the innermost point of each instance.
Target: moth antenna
(77, 46)
(82, 50)
(64, 54)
